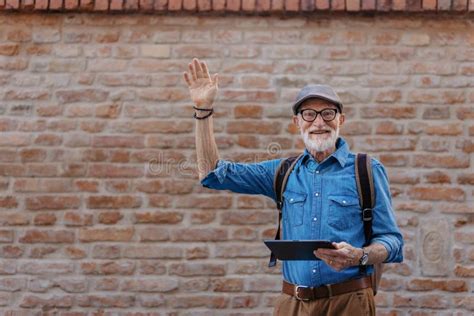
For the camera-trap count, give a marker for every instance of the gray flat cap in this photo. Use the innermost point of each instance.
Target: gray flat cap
(317, 91)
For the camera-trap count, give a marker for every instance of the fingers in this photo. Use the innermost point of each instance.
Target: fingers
(198, 68)
(186, 78)
(205, 71)
(192, 71)
(215, 80)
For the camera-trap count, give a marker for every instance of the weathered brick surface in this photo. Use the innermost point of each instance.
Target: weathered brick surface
(100, 207)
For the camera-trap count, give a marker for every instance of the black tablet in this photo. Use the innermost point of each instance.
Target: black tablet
(297, 249)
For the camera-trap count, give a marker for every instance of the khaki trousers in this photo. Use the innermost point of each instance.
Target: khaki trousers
(356, 303)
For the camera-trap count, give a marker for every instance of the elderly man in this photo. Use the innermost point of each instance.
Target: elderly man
(321, 201)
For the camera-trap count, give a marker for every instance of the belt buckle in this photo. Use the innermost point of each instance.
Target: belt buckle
(297, 293)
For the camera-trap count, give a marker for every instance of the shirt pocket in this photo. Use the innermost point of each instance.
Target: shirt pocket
(344, 211)
(294, 207)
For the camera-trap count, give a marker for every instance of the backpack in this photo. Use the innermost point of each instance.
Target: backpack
(365, 187)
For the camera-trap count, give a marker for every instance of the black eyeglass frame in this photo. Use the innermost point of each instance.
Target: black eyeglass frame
(319, 113)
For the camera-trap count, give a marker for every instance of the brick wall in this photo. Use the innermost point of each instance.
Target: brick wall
(100, 207)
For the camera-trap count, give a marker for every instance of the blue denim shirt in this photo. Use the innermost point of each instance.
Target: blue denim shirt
(320, 202)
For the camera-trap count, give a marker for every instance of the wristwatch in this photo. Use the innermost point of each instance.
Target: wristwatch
(365, 258)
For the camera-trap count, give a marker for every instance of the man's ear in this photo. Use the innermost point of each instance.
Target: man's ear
(342, 119)
(296, 121)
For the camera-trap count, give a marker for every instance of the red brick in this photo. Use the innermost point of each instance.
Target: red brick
(110, 202)
(81, 95)
(153, 234)
(245, 126)
(131, 5)
(202, 201)
(277, 5)
(443, 285)
(41, 4)
(370, 5)
(244, 301)
(263, 5)
(9, 49)
(175, 5)
(437, 177)
(105, 234)
(110, 217)
(107, 170)
(150, 285)
(433, 301)
(55, 4)
(201, 5)
(46, 202)
(456, 208)
(189, 5)
(8, 202)
(338, 5)
(106, 301)
(11, 252)
(353, 5)
(45, 219)
(197, 269)
(233, 5)
(227, 285)
(71, 4)
(199, 234)
(47, 236)
(56, 301)
(441, 161)
(384, 5)
(437, 194)
(153, 252)
(7, 219)
(444, 5)
(459, 5)
(466, 178)
(464, 271)
(197, 253)
(75, 252)
(101, 5)
(218, 5)
(116, 5)
(159, 217)
(413, 5)
(204, 217)
(292, 5)
(6, 235)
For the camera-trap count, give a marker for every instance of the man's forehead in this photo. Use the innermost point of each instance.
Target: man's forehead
(317, 103)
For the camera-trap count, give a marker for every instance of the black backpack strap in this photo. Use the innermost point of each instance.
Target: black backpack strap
(365, 186)
(279, 183)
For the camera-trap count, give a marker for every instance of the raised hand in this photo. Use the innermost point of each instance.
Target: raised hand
(202, 87)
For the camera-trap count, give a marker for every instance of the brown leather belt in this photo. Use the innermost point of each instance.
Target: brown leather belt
(304, 293)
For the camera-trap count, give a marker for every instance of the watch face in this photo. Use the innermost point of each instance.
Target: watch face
(364, 259)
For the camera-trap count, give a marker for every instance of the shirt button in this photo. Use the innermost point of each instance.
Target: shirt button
(317, 171)
(314, 270)
(343, 201)
(315, 219)
(316, 194)
(291, 200)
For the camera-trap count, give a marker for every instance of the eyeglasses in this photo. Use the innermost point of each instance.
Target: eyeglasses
(310, 115)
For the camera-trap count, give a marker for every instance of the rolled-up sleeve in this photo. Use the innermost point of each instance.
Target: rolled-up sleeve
(385, 229)
(247, 178)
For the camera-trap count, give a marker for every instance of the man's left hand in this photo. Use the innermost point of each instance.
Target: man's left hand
(340, 258)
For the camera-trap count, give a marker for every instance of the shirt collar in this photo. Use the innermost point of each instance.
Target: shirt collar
(341, 153)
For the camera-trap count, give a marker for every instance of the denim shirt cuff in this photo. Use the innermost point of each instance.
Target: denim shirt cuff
(391, 249)
(219, 173)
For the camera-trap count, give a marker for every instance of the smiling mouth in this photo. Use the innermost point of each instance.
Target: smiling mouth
(320, 132)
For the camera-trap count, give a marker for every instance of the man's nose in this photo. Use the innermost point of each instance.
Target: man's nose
(318, 121)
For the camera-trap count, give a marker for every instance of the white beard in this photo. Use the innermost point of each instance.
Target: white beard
(320, 144)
